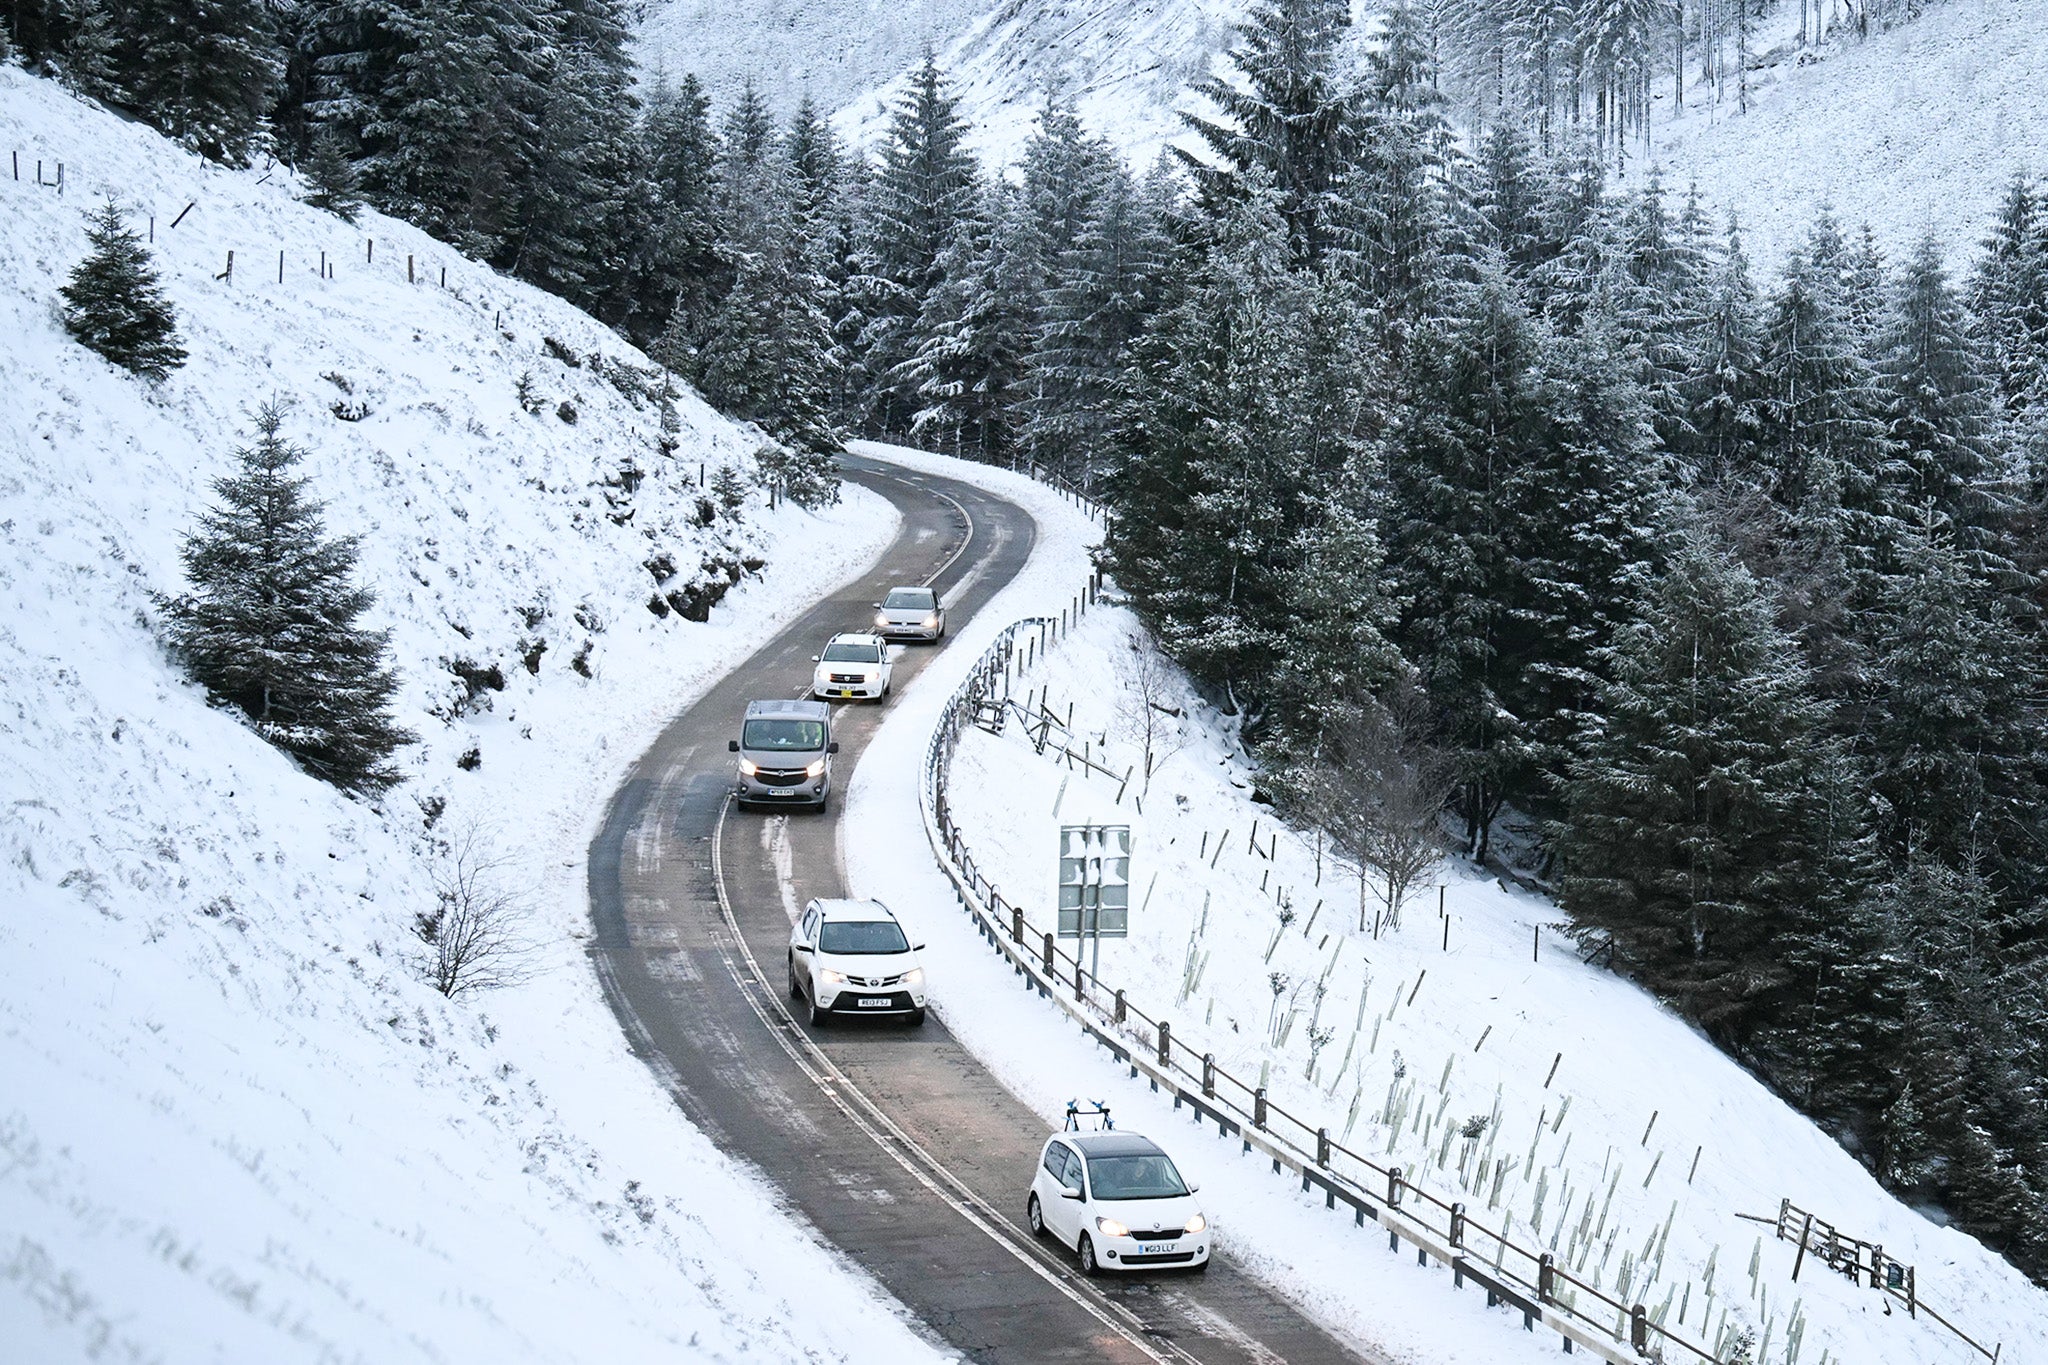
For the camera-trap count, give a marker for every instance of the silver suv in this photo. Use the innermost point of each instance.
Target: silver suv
(785, 750)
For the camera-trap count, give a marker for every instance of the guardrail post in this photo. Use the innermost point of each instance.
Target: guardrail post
(1120, 1009)
(1394, 1188)
(1259, 1107)
(1048, 956)
(1080, 977)
(1017, 923)
(1546, 1277)
(1165, 1043)
(1639, 1328)
(1457, 1225)
(1209, 1074)
(1322, 1146)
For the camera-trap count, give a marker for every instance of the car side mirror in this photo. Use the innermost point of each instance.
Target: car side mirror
(803, 947)
(1070, 1191)
(814, 658)
(878, 606)
(1194, 1188)
(732, 746)
(833, 747)
(917, 947)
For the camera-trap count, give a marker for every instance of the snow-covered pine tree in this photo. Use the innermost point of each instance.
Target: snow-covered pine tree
(1212, 461)
(967, 360)
(1725, 390)
(203, 71)
(2009, 296)
(684, 278)
(1103, 290)
(114, 303)
(1941, 403)
(1395, 184)
(1823, 431)
(1945, 722)
(331, 180)
(1473, 408)
(1699, 812)
(1289, 114)
(924, 191)
(272, 627)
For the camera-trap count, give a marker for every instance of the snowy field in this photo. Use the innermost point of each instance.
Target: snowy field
(1912, 131)
(1408, 1059)
(234, 1124)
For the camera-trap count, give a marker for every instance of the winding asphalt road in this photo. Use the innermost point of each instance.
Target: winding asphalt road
(895, 1143)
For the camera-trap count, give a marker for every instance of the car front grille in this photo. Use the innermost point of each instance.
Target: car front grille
(875, 982)
(1163, 1235)
(848, 1003)
(780, 777)
(1160, 1258)
(849, 677)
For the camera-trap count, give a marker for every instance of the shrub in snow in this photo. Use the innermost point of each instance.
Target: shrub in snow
(114, 303)
(806, 478)
(471, 937)
(270, 624)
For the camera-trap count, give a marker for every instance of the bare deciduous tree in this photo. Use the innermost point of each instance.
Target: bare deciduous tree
(1378, 792)
(472, 936)
(1145, 711)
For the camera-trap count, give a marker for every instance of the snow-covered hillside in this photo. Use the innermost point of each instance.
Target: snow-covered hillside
(1910, 131)
(831, 50)
(1596, 1119)
(234, 1123)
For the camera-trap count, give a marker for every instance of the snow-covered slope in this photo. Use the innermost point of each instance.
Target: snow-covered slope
(1599, 1119)
(1910, 131)
(234, 1124)
(832, 50)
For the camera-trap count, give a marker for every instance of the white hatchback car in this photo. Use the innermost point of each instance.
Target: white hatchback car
(852, 957)
(1119, 1201)
(854, 665)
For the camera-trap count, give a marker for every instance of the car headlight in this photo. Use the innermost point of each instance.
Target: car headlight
(881, 620)
(1196, 1224)
(914, 977)
(931, 622)
(816, 769)
(1111, 1228)
(832, 978)
(748, 767)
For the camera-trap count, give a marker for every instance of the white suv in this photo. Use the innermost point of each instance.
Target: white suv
(853, 665)
(852, 957)
(1119, 1201)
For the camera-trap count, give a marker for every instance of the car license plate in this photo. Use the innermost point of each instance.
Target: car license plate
(875, 1002)
(1155, 1248)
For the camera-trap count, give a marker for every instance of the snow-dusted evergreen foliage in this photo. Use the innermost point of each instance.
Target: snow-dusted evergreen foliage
(271, 625)
(114, 304)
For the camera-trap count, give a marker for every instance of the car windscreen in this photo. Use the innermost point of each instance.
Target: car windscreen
(791, 735)
(1135, 1177)
(909, 599)
(862, 936)
(852, 654)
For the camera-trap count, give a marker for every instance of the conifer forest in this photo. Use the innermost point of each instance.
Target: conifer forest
(1722, 589)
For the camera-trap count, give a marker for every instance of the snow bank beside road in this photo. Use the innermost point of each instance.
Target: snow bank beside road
(234, 1125)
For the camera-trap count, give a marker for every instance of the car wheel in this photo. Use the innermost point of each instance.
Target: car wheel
(796, 992)
(818, 1016)
(1086, 1252)
(1035, 1217)
(916, 1017)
